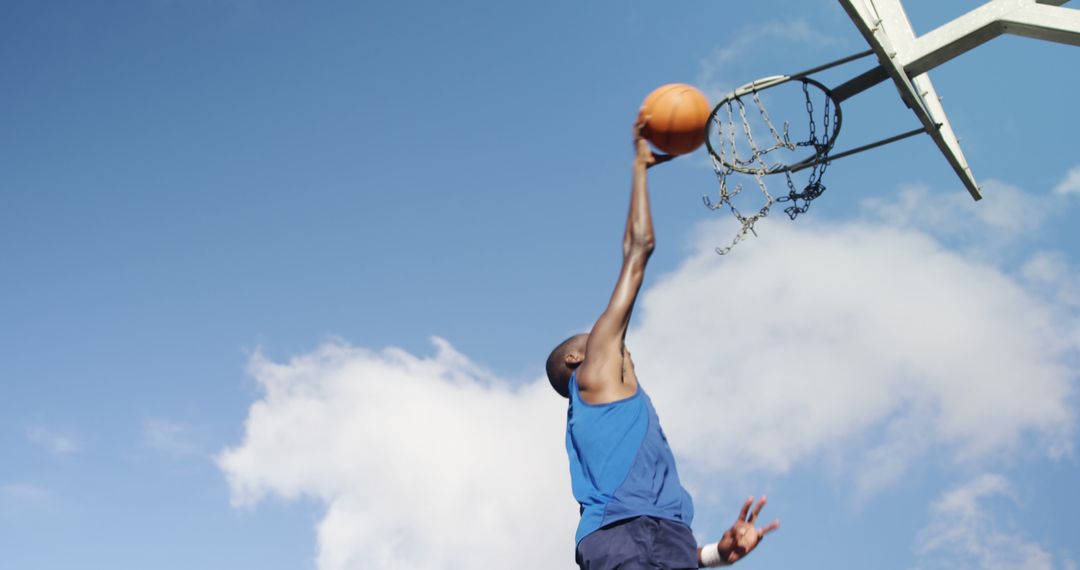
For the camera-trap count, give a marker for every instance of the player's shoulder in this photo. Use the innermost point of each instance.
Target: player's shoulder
(604, 388)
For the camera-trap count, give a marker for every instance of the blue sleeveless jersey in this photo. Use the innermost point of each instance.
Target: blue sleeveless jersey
(620, 463)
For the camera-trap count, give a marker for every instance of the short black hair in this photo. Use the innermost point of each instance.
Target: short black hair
(557, 371)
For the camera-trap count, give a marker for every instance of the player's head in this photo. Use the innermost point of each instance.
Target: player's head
(563, 360)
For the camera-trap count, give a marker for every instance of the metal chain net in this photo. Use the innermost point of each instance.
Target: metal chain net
(727, 160)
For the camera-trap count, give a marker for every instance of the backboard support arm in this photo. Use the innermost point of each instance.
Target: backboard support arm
(1028, 18)
(906, 58)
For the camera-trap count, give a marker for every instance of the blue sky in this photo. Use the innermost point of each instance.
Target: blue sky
(279, 277)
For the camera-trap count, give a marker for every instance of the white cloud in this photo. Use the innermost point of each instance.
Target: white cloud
(55, 443)
(19, 498)
(1051, 271)
(23, 492)
(1005, 214)
(171, 437)
(752, 38)
(965, 532)
(871, 342)
(865, 342)
(1071, 183)
(422, 462)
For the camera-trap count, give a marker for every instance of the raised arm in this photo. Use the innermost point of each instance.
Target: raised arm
(600, 377)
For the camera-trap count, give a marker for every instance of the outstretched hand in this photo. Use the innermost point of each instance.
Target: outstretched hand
(743, 536)
(644, 153)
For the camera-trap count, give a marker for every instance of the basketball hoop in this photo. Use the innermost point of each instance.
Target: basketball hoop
(903, 57)
(739, 159)
(735, 151)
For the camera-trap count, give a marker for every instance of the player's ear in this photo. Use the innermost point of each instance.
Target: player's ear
(573, 359)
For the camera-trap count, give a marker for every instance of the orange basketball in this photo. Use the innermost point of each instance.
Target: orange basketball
(677, 115)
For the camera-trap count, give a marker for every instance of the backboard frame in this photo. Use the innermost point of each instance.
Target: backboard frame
(906, 58)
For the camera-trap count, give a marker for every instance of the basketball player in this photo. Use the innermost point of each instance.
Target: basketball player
(635, 514)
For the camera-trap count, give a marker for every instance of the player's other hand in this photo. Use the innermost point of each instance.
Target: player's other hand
(644, 153)
(743, 536)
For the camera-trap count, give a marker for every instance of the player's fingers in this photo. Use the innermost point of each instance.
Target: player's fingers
(642, 118)
(660, 159)
(745, 509)
(757, 510)
(770, 527)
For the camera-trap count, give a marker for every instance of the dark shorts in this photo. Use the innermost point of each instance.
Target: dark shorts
(642, 543)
